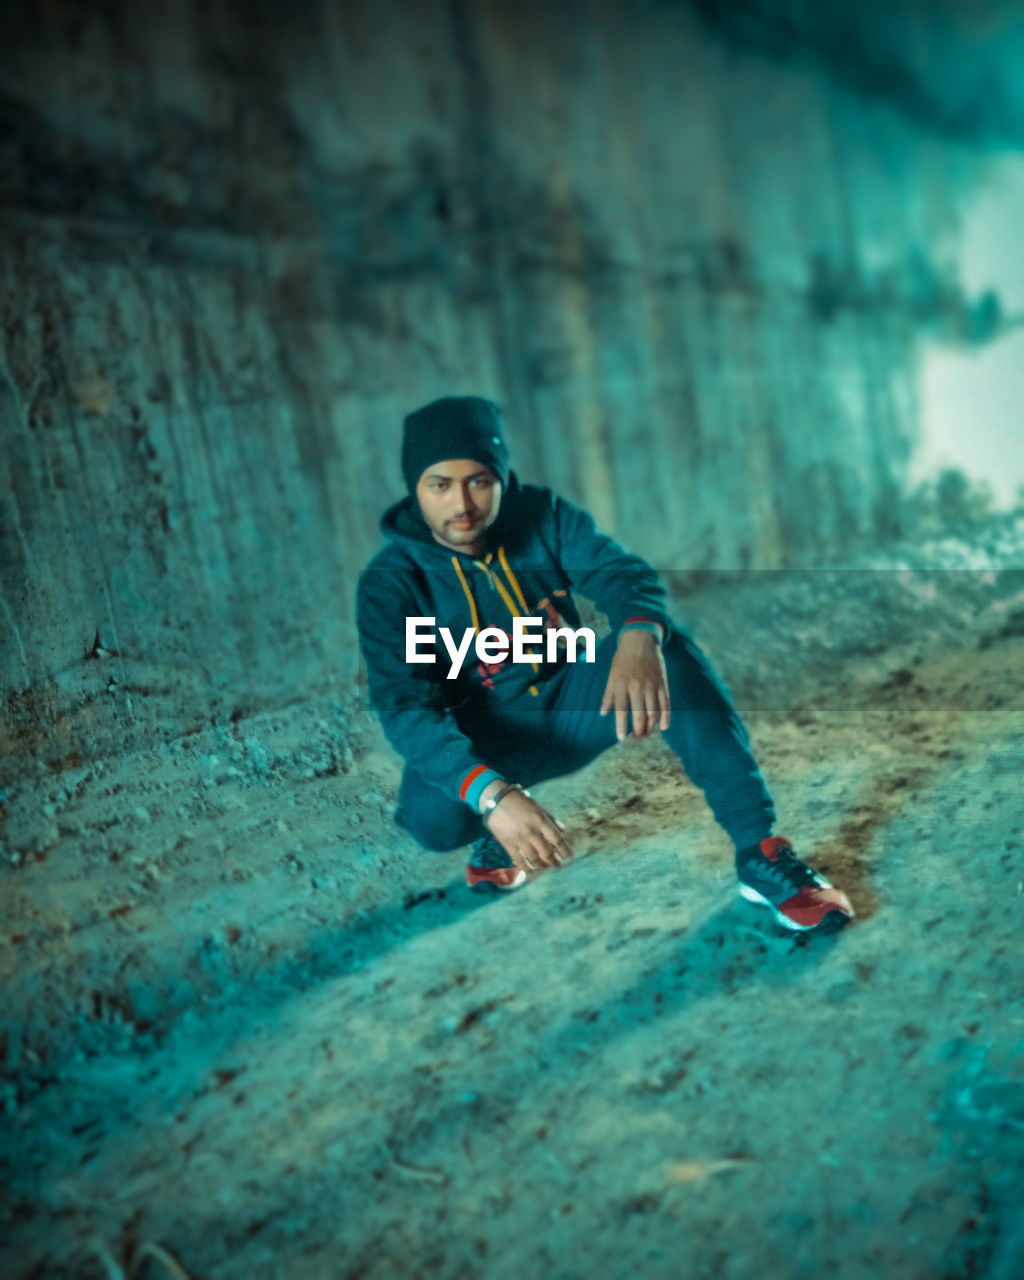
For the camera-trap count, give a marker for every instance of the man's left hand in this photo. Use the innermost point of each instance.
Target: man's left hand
(637, 681)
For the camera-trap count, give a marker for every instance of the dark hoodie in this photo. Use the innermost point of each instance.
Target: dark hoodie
(538, 550)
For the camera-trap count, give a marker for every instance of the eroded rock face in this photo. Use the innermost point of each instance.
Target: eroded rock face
(237, 248)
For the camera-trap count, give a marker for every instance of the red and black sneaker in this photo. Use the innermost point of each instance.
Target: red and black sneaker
(490, 867)
(770, 873)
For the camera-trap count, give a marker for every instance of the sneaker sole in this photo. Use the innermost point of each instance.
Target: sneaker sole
(830, 922)
(488, 886)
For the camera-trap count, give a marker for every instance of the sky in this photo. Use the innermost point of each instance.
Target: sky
(972, 398)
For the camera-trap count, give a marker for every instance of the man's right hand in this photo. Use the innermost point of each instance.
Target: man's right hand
(532, 837)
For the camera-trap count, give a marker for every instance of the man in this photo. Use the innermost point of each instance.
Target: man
(473, 551)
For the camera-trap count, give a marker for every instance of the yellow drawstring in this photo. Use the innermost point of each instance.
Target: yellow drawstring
(500, 586)
(469, 595)
(512, 578)
(519, 594)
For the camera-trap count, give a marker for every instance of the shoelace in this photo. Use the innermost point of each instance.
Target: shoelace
(488, 853)
(786, 868)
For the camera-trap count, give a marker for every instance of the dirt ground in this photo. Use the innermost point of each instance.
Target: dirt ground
(250, 1030)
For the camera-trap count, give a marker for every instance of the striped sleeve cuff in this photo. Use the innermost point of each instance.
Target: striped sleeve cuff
(474, 783)
(644, 624)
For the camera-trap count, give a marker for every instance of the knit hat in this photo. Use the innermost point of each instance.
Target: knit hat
(454, 427)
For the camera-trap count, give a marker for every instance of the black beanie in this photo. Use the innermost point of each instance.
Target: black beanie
(453, 427)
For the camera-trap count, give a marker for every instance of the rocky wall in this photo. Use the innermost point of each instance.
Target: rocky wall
(691, 258)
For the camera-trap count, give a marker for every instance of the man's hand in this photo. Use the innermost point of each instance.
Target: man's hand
(637, 681)
(532, 837)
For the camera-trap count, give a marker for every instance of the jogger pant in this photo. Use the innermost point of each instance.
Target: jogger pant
(533, 738)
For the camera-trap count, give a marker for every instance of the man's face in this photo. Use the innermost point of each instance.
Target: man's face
(459, 499)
